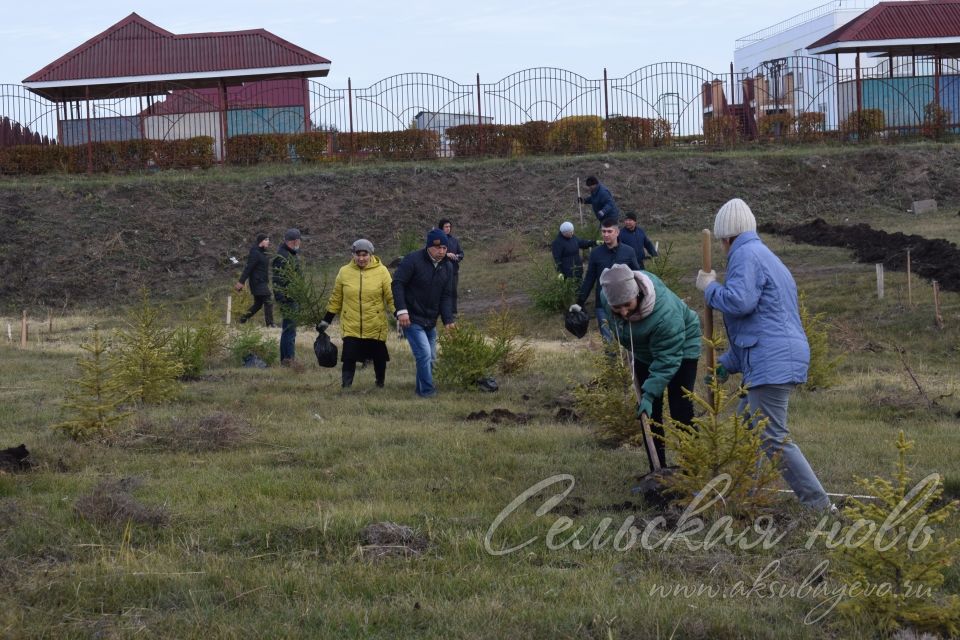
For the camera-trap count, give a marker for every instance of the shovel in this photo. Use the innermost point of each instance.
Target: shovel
(652, 456)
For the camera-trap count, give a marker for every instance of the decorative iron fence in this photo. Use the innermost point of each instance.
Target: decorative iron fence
(539, 110)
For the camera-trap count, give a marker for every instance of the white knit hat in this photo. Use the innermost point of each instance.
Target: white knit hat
(566, 227)
(733, 219)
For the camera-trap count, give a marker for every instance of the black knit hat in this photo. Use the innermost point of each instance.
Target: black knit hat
(261, 237)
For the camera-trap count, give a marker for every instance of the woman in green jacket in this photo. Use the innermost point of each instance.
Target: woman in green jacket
(362, 296)
(663, 334)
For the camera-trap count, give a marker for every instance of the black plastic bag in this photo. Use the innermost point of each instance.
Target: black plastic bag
(488, 384)
(577, 322)
(326, 351)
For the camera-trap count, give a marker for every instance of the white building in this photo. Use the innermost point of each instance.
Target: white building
(791, 36)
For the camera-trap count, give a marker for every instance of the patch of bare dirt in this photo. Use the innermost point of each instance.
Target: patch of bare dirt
(499, 416)
(935, 259)
(15, 459)
(389, 540)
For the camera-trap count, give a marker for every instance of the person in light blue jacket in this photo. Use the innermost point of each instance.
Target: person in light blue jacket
(768, 345)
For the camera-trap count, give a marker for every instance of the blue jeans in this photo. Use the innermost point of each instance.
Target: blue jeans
(771, 400)
(288, 339)
(423, 345)
(603, 323)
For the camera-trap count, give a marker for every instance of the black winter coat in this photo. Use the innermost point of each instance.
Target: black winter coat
(284, 254)
(425, 290)
(257, 270)
(603, 258)
(566, 255)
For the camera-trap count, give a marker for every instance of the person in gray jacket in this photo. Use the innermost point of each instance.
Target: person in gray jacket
(767, 341)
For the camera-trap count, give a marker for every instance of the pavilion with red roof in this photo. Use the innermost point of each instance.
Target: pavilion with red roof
(218, 84)
(904, 31)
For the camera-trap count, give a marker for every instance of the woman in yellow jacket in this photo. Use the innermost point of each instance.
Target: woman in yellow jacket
(363, 297)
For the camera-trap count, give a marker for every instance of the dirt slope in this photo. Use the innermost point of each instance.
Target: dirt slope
(94, 242)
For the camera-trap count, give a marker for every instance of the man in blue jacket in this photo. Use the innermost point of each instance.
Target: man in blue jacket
(767, 342)
(600, 199)
(422, 292)
(611, 252)
(635, 238)
(566, 252)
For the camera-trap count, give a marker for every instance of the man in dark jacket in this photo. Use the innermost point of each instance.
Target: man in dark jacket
(566, 252)
(422, 292)
(257, 271)
(454, 255)
(288, 256)
(600, 199)
(635, 238)
(611, 252)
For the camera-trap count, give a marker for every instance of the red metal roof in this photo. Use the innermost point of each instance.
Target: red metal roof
(899, 21)
(135, 47)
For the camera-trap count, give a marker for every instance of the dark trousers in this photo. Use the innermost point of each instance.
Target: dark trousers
(260, 301)
(288, 340)
(681, 407)
(350, 368)
(456, 286)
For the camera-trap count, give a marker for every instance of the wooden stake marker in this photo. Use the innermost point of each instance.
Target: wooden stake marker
(909, 281)
(936, 305)
(708, 311)
(229, 307)
(23, 330)
(880, 281)
(579, 203)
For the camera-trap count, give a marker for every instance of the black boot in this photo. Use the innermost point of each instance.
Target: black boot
(346, 374)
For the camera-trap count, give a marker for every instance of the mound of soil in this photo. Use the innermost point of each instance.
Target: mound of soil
(933, 259)
(498, 416)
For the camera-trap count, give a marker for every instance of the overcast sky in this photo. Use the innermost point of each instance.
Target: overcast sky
(368, 40)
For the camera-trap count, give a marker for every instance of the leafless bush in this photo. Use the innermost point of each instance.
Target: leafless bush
(110, 503)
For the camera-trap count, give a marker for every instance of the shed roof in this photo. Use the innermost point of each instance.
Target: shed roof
(922, 27)
(140, 55)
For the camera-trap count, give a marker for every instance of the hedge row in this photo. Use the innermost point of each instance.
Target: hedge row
(278, 147)
(576, 134)
(107, 157)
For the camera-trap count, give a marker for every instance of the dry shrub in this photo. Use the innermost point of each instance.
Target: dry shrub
(110, 503)
(217, 431)
(388, 539)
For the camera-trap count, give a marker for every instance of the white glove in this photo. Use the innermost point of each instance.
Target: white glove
(704, 279)
(575, 308)
(322, 326)
(559, 276)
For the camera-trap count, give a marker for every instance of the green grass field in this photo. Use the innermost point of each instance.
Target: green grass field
(262, 534)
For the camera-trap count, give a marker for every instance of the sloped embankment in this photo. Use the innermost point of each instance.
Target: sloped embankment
(95, 241)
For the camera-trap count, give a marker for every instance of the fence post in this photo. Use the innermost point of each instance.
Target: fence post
(223, 122)
(859, 102)
(606, 98)
(229, 307)
(89, 133)
(479, 119)
(350, 112)
(880, 281)
(23, 329)
(732, 93)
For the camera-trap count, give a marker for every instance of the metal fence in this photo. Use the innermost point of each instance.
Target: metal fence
(801, 97)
